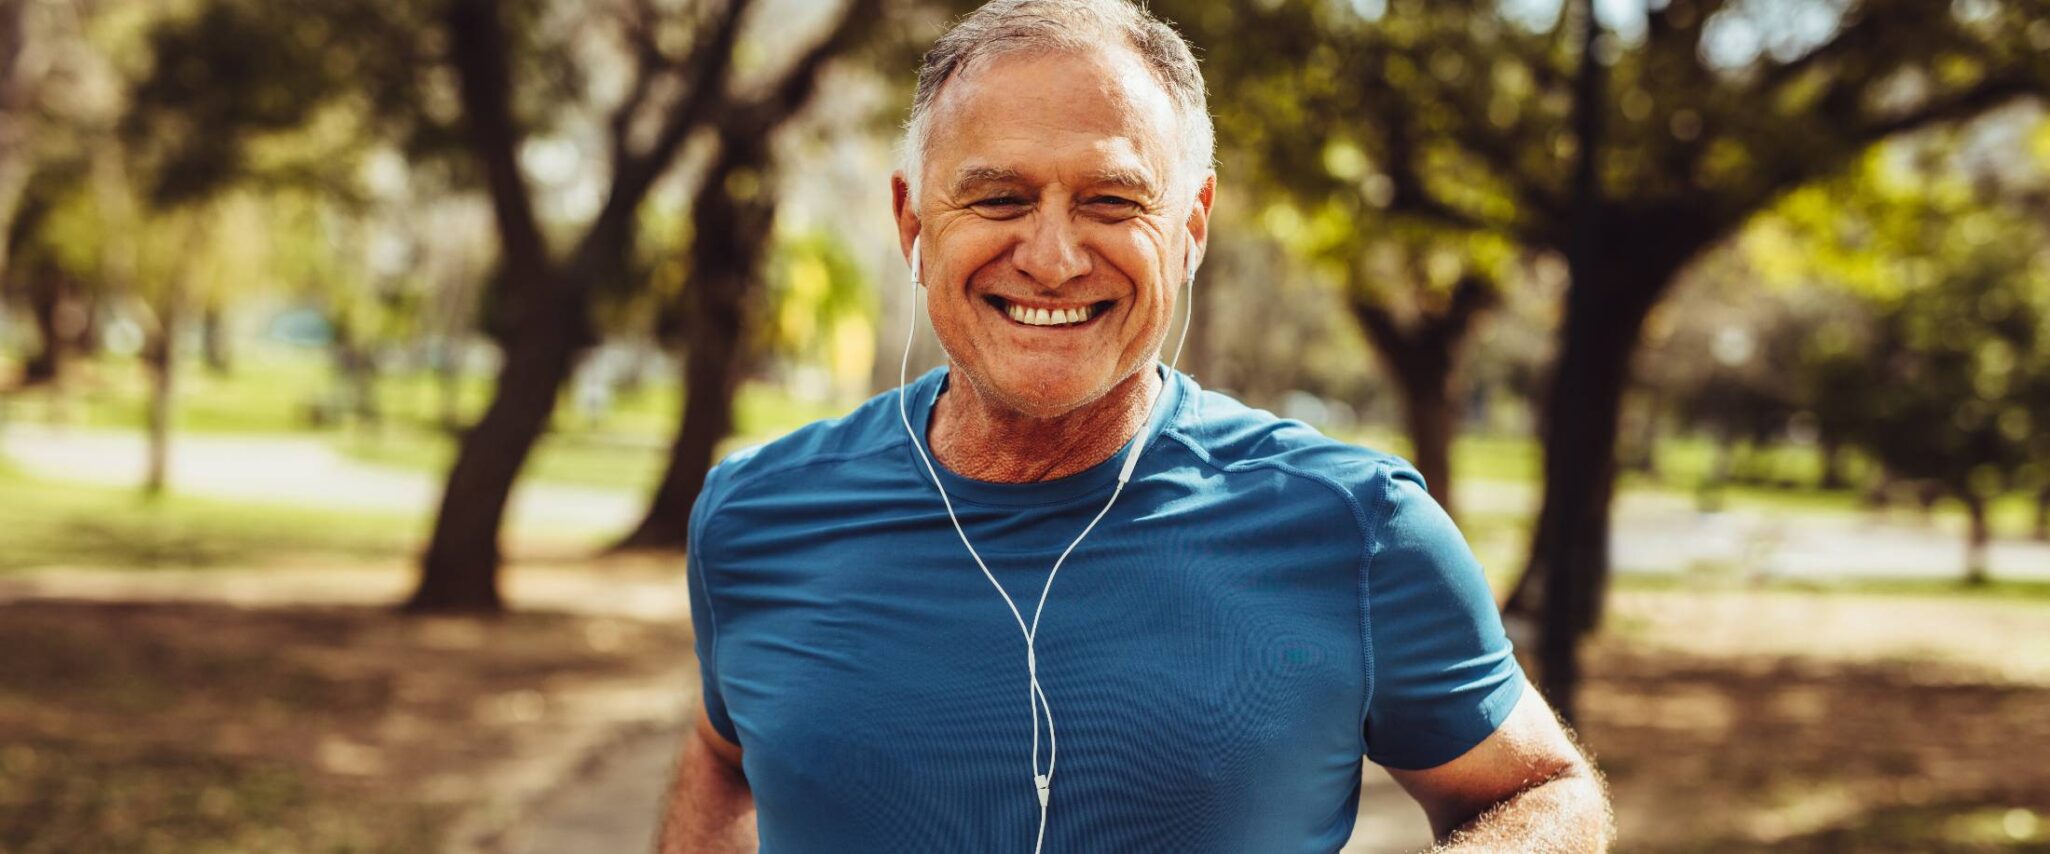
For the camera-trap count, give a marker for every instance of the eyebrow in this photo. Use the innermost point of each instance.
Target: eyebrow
(975, 176)
(1117, 177)
(971, 178)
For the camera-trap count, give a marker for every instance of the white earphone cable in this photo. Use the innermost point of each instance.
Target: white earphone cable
(1035, 695)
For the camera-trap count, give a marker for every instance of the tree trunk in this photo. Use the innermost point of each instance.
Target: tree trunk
(1831, 450)
(731, 233)
(1563, 585)
(1430, 416)
(46, 305)
(1976, 538)
(1708, 497)
(546, 317)
(18, 110)
(1569, 548)
(2043, 514)
(1423, 356)
(159, 360)
(355, 374)
(448, 372)
(460, 569)
(214, 335)
(1642, 451)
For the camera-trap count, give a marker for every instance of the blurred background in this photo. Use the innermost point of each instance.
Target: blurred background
(360, 360)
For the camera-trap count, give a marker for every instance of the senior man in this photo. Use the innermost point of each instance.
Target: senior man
(1244, 608)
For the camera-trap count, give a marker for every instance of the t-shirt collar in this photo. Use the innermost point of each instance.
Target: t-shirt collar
(1095, 480)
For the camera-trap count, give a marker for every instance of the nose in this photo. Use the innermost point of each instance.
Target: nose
(1052, 254)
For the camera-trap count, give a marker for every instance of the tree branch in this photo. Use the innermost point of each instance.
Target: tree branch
(638, 29)
(1471, 295)
(1492, 147)
(1409, 195)
(1861, 134)
(1990, 93)
(1384, 333)
(789, 95)
(711, 63)
(478, 46)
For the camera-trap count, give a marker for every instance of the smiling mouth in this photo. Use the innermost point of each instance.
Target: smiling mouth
(1074, 315)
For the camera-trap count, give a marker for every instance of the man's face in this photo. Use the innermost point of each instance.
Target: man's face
(1053, 223)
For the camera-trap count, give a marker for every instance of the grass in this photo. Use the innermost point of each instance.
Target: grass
(575, 460)
(49, 524)
(605, 454)
(276, 388)
(1683, 464)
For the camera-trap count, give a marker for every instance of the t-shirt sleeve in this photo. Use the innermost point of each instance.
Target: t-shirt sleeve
(704, 615)
(1442, 676)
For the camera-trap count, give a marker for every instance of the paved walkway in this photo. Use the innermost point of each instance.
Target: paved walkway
(293, 470)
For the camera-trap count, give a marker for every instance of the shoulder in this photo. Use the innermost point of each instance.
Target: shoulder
(1239, 440)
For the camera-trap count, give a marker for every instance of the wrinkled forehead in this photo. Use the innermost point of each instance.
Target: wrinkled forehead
(1038, 112)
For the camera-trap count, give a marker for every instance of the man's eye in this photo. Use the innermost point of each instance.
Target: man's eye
(1114, 203)
(1000, 204)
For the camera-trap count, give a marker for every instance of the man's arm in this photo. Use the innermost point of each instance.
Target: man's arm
(711, 809)
(1526, 788)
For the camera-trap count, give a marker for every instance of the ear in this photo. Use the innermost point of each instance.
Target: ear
(1199, 222)
(906, 214)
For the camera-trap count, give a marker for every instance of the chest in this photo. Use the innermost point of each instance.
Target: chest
(1196, 669)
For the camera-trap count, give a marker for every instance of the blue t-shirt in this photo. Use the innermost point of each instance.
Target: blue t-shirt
(1262, 607)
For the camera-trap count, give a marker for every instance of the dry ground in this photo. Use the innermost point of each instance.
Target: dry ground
(1728, 720)
(197, 727)
(1788, 721)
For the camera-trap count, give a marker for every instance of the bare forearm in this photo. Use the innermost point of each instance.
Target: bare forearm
(1568, 813)
(711, 809)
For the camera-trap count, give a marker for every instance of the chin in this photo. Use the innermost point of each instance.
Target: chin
(1043, 394)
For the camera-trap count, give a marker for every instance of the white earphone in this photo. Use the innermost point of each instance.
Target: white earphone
(1035, 696)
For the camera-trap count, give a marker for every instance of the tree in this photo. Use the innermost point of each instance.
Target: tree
(1415, 288)
(1952, 308)
(732, 220)
(1629, 153)
(548, 301)
(1423, 346)
(23, 31)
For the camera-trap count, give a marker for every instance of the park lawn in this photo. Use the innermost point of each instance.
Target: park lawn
(628, 449)
(275, 388)
(1683, 463)
(564, 459)
(200, 727)
(262, 395)
(48, 524)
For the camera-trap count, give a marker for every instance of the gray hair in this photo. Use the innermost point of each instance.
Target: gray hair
(1011, 26)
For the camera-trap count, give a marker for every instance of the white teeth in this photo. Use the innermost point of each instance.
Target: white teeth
(1047, 317)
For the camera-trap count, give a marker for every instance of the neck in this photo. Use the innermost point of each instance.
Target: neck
(980, 438)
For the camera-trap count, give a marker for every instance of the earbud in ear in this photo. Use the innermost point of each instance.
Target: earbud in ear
(916, 263)
(1189, 263)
